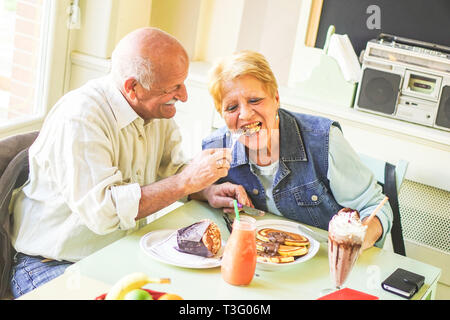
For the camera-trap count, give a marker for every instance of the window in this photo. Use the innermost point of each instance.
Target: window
(21, 42)
(33, 46)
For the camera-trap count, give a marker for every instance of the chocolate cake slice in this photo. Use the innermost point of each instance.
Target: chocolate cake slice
(201, 238)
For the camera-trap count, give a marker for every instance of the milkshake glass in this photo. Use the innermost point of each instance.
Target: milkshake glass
(345, 238)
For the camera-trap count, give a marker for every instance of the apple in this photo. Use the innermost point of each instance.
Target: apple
(138, 294)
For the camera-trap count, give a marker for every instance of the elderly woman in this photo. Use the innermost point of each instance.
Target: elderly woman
(295, 165)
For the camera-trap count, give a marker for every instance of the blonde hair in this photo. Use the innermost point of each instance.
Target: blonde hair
(240, 64)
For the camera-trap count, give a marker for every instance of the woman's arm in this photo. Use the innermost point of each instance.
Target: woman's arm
(354, 186)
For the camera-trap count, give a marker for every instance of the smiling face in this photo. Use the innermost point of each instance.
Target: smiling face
(159, 101)
(149, 67)
(247, 105)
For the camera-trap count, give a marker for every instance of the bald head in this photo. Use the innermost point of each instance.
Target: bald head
(146, 54)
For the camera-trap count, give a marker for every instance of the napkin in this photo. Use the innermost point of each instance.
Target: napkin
(348, 294)
(342, 50)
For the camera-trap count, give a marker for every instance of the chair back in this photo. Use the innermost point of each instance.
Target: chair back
(14, 169)
(390, 177)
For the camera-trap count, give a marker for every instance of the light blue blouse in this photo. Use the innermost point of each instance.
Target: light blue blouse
(343, 162)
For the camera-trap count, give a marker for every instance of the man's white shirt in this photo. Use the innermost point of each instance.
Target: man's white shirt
(86, 168)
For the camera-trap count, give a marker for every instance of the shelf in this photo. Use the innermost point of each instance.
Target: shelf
(427, 134)
(288, 98)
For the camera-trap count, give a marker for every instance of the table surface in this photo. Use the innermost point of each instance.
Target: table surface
(93, 275)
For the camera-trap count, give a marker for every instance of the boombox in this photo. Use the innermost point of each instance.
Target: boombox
(406, 79)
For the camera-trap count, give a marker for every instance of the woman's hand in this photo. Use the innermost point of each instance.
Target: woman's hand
(222, 196)
(373, 233)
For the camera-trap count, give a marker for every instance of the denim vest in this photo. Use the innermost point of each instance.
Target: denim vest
(301, 190)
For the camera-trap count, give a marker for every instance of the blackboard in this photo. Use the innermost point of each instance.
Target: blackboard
(424, 20)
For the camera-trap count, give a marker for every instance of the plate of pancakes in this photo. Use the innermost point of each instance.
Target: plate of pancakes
(280, 244)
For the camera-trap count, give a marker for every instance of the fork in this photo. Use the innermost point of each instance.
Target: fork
(235, 135)
(228, 221)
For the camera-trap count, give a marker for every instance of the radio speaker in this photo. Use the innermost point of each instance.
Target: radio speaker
(379, 91)
(443, 115)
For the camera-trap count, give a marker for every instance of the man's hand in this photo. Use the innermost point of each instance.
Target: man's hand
(222, 196)
(206, 168)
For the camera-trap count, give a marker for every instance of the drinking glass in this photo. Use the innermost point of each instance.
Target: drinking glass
(342, 256)
(239, 257)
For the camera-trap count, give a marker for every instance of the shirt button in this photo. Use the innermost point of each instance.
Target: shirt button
(314, 197)
(255, 192)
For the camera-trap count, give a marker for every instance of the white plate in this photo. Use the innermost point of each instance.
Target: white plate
(288, 226)
(161, 244)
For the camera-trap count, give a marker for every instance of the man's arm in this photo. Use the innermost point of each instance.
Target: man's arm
(159, 195)
(205, 169)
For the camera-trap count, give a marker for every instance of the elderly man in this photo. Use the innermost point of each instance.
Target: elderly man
(108, 155)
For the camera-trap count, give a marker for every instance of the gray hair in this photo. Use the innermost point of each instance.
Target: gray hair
(126, 66)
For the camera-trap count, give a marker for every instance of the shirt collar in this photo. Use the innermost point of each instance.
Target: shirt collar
(291, 142)
(120, 107)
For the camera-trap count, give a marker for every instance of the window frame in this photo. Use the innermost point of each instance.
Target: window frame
(53, 60)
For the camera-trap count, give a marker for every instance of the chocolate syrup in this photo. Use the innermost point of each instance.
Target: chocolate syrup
(270, 249)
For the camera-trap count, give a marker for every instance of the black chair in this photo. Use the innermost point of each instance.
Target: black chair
(390, 177)
(14, 170)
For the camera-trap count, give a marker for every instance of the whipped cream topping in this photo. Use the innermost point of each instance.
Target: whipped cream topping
(346, 226)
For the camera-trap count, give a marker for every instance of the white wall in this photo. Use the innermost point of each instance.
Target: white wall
(179, 18)
(105, 22)
(221, 23)
(270, 27)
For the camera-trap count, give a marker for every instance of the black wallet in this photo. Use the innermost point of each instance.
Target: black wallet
(403, 283)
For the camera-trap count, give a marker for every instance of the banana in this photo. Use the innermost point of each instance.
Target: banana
(130, 282)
